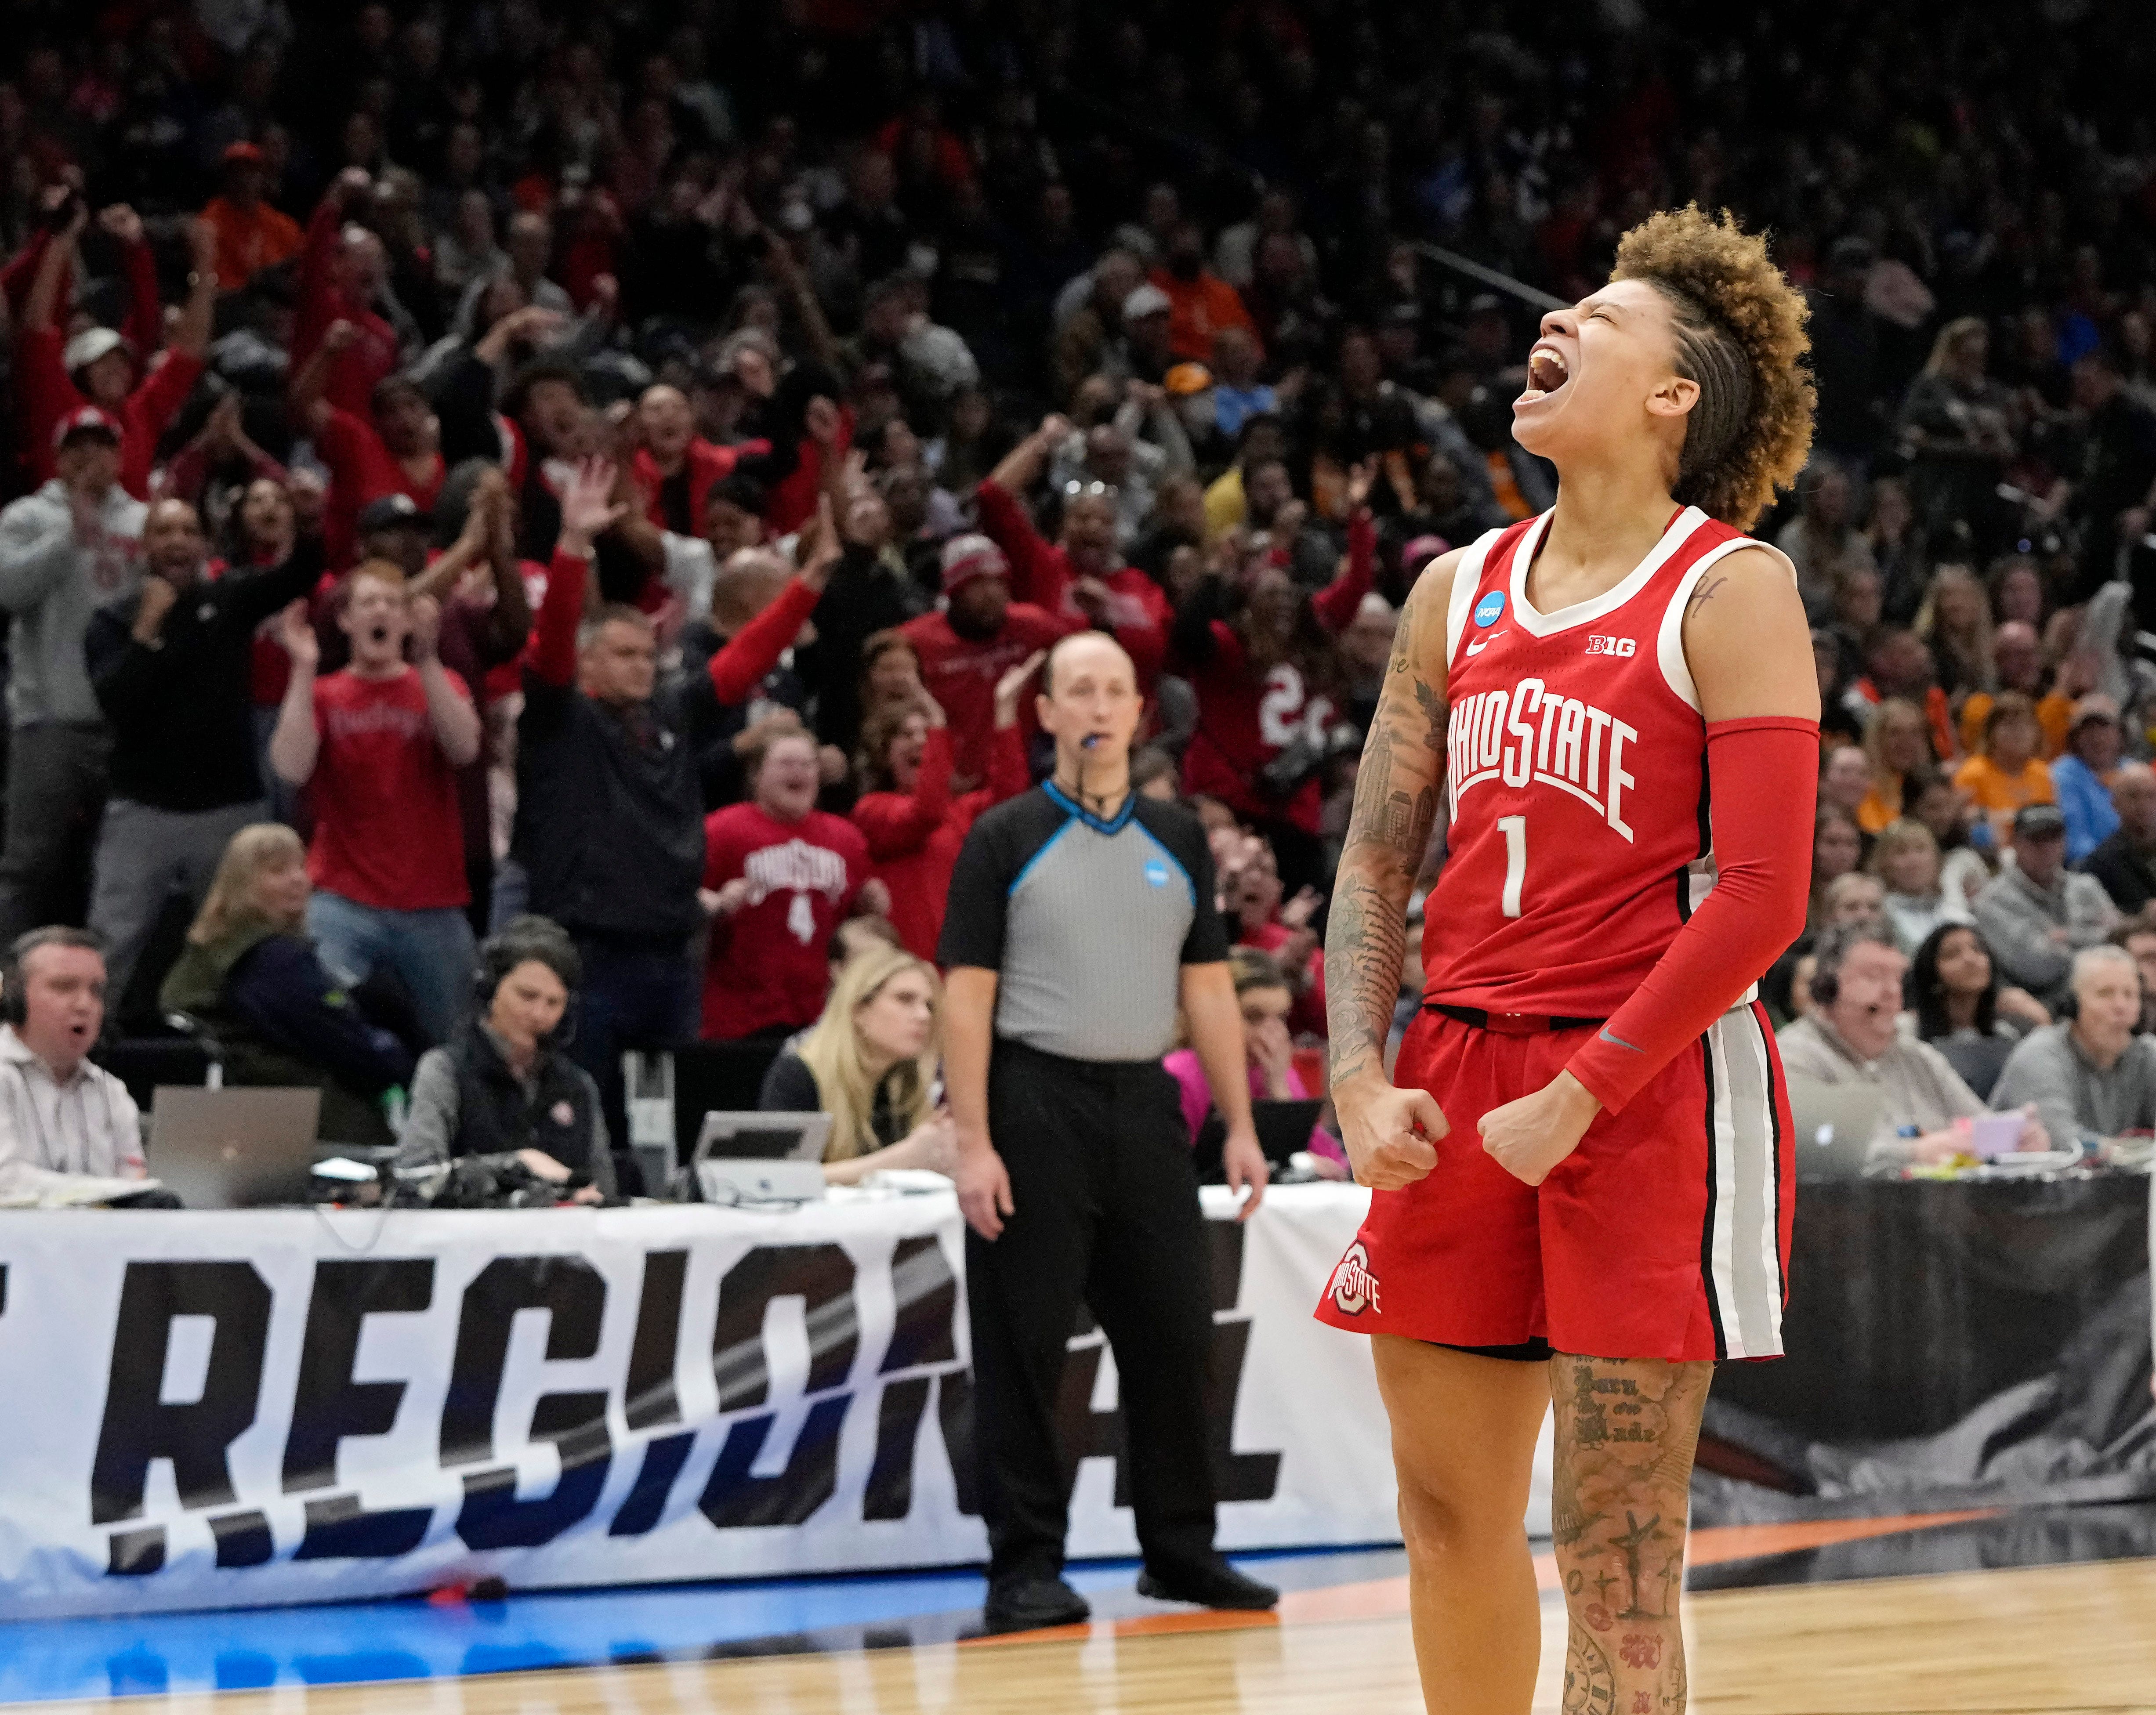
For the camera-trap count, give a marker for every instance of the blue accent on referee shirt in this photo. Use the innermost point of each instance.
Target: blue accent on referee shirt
(1069, 804)
(1033, 863)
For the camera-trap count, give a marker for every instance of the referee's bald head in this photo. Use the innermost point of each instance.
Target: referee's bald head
(1082, 644)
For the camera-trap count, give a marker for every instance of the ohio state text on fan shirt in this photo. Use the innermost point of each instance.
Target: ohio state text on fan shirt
(1576, 779)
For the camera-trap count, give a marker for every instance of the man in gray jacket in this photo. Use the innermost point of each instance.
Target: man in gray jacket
(66, 551)
(2089, 1076)
(2036, 916)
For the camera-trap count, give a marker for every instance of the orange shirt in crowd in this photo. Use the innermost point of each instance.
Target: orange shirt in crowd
(1999, 794)
(249, 240)
(2054, 715)
(1881, 805)
(1196, 310)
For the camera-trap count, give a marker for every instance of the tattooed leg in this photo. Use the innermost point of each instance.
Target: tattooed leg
(1626, 1431)
(1463, 1431)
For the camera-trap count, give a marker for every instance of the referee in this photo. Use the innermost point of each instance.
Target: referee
(1080, 916)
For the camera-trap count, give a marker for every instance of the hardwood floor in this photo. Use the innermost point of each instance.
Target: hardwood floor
(2059, 1640)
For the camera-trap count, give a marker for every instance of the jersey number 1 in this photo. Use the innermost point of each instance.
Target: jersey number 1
(1515, 830)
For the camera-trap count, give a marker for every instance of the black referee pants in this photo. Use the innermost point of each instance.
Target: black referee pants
(1107, 1211)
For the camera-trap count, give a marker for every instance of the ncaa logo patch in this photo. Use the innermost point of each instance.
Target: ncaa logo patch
(1354, 1288)
(1156, 872)
(1491, 608)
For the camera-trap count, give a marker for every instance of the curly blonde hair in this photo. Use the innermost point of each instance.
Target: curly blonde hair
(1740, 334)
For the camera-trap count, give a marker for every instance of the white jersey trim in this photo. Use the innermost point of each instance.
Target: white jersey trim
(1669, 641)
(1466, 579)
(1742, 1248)
(1537, 624)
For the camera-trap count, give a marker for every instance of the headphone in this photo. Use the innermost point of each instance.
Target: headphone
(1826, 988)
(523, 938)
(14, 1001)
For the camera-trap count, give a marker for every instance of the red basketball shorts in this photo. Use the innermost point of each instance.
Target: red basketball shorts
(1664, 1235)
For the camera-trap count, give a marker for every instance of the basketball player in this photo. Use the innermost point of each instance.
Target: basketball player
(1583, 1178)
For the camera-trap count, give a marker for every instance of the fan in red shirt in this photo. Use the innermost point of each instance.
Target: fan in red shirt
(394, 450)
(341, 272)
(56, 376)
(379, 744)
(780, 876)
(1263, 721)
(1082, 578)
(979, 635)
(914, 825)
(674, 467)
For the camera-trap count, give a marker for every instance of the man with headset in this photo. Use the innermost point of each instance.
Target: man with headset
(502, 1095)
(60, 1117)
(1851, 1037)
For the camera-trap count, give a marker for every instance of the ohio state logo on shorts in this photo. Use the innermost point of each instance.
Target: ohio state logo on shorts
(1354, 1288)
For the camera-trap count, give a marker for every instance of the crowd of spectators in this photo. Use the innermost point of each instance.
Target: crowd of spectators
(622, 463)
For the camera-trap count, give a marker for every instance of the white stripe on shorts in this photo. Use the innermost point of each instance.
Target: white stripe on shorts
(1742, 1259)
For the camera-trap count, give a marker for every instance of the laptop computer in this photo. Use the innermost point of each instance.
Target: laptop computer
(1835, 1126)
(234, 1149)
(763, 1136)
(760, 1157)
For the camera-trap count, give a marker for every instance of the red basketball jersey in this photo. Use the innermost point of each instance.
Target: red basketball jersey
(1575, 780)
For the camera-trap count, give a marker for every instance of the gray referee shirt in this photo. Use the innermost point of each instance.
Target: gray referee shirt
(1087, 923)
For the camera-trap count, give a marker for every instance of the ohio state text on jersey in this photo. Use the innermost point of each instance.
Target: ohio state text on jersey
(1575, 779)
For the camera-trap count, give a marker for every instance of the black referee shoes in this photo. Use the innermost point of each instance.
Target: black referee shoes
(1214, 1585)
(1024, 1604)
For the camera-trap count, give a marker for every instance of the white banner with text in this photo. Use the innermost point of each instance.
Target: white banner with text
(227, 1410)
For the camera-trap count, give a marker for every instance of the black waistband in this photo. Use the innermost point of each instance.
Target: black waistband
(1513, 1024)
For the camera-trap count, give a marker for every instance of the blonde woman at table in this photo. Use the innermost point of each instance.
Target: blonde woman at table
(870, 1063)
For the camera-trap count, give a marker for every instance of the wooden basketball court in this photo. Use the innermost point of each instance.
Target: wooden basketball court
(2051, 1638)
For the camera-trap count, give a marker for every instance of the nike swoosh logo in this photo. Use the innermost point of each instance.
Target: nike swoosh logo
(1477, 649)
(1622, 1042)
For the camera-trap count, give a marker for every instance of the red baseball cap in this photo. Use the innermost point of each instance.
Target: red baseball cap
(86, 419)
(966, 558)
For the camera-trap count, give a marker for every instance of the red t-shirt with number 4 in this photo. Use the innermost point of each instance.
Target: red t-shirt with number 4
(388, 832)
(768, 961)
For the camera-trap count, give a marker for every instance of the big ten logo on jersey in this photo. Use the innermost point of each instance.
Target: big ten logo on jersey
(1612, 645)
(1532, 735)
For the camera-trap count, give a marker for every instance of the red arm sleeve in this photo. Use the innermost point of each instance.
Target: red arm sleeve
(754, 651)
(144, 322)
(553, 658)
(45, 392)
(1039, 573)
(895, 823)
(1336, 604)
(1765, 775)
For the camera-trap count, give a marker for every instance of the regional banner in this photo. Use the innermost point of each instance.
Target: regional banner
(214, 1409)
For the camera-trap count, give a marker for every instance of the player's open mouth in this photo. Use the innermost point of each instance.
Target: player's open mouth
(378, 633)
(1546, 371)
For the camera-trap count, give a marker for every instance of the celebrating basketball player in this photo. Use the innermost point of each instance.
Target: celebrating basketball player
(1583, 1179)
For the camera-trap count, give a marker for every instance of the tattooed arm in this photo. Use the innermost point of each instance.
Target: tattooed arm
(1388, 1133)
